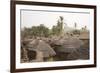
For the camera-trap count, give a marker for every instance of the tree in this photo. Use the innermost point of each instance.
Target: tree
(54, 30)
(25, 32)
(60, 24)
(40, 31)
(61, 18)
(57, 29)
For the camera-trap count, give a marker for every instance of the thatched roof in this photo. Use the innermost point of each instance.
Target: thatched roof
(72, 43)
(54, 40)
(45, 48)
(40, 45)
(84, 35)
(33, 43)
(69, 44)
(26, 43)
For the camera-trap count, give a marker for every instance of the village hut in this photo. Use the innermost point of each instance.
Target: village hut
(72, 44)
(24, 56)
(69, 44)
(84, 36)
(67, 48)
(34, 55)
(84, 51)
(42, 46)
(45, 48)
(29, 53)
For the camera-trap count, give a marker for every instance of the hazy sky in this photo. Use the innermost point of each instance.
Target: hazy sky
(49, 18)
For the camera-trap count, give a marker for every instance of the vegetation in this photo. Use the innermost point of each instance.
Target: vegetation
(42, 30)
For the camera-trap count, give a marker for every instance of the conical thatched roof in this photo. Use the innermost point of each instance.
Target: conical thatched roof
(54, 40)
(69, 44)
(45, 48)
(33, 43)
(72, 42)
(25, 42)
